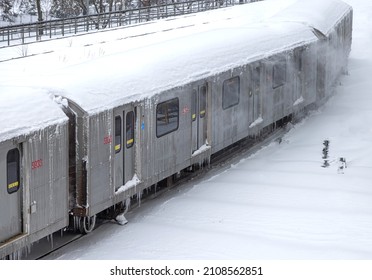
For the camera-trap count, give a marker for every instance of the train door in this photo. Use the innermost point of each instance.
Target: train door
(10, 191)
(124, 139)
(199, 116)
(254, 109)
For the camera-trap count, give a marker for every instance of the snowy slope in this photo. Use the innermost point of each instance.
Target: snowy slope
(277, 204)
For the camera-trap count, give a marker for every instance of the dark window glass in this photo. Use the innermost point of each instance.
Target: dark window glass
(117, 134)
(203, 101)
(167, 116)
(230, 92)
(193, 105)
(298, 59)
(13, 171)
(130, 129)
(256, 79)
(279, 74)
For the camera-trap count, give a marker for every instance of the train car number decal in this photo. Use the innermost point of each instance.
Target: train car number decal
(107, 139)
(36, 164)
(185, 110)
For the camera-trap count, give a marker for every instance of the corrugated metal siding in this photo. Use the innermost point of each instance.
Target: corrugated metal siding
(48, 183)
(100, 185)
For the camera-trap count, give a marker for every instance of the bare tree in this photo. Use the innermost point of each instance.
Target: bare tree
(39, 16)
(46, 6)
(39, 11)
(67, 8)
(84, 5)
(5, 9)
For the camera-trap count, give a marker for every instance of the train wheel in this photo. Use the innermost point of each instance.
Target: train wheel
(87, 224)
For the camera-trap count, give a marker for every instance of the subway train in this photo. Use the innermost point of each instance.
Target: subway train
(81, 136)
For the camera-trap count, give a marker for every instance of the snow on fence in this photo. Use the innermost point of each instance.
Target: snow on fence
(45, 30)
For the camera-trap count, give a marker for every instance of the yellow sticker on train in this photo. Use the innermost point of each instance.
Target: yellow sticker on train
(13, 185)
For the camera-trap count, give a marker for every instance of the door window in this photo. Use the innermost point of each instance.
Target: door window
(167, 117)
(230, 92)
(13, 171)
(193, 105)
(117, 134)
(130, 129)
(203, 101)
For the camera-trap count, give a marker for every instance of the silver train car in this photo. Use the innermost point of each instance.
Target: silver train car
(164, 104)
(33, 168)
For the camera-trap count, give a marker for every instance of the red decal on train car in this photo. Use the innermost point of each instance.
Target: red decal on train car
(185, 110)
(37, 164)
(107, 139)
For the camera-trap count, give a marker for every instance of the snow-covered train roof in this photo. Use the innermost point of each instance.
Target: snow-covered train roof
(101, 75)
(319, 14)
(24, 110)
(25, 103)
(151, 69)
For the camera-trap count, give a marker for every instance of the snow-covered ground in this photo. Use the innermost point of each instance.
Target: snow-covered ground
(279, 203)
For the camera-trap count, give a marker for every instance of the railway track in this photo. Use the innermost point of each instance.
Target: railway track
(219, 162)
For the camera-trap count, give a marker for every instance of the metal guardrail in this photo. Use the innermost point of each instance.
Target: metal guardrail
(46, 30)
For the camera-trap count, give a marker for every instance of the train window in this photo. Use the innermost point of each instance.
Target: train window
(256, 79)
(230, 92)
(203, 101)
(299, 60)
(279, 73)
(130, 129)
(193, 105)
(117, 134)
(13, 171)
(167, 117)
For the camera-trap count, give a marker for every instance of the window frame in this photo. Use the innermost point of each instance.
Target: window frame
(129, 127)
(168, 111)
(256, 79)
(117, 134)
(279, 73)
(194, 103)
(225, 93)
(203, 101)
